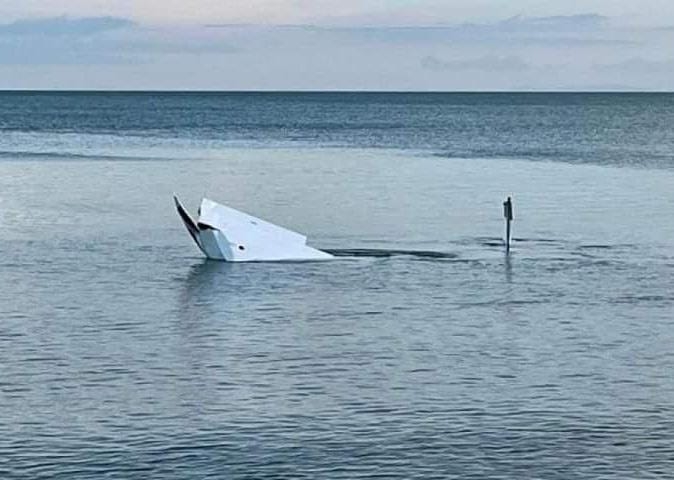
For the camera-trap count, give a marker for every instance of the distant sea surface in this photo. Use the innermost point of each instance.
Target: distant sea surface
(422, 351)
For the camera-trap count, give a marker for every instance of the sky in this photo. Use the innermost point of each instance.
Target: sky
(421, 45)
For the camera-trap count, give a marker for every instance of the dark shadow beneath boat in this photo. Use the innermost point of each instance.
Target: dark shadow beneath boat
(387, 253)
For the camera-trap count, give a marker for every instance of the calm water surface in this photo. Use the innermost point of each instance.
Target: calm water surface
(124, 354)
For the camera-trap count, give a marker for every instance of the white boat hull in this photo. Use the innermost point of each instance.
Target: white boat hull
(223, 233)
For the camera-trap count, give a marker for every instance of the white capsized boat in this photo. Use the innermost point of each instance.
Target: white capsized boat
(224, 233)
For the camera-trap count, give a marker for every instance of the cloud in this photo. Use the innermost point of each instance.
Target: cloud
(58, 51)
(558, 23)
(173, 40)
(487, 63)
(179, 46)
(100, 41)
(638, 65)
(63, 41)
(60, 26)
(541, 52)
(573, 30)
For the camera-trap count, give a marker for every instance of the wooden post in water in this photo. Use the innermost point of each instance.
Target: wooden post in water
(508, 215)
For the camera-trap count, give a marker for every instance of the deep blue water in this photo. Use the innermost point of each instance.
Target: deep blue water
(125, 354)
(599, 128)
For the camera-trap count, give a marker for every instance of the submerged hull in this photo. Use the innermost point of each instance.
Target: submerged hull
(223, 233)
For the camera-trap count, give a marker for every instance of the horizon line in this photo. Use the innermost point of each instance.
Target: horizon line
(171, 90)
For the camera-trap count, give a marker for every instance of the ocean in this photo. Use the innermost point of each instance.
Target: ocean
(422, 351)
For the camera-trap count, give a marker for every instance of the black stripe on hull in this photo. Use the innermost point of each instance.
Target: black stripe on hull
(191, 226)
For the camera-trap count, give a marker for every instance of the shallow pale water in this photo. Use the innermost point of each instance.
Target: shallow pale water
(124, 354)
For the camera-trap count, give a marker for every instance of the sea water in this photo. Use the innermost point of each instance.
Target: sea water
(422, 351)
